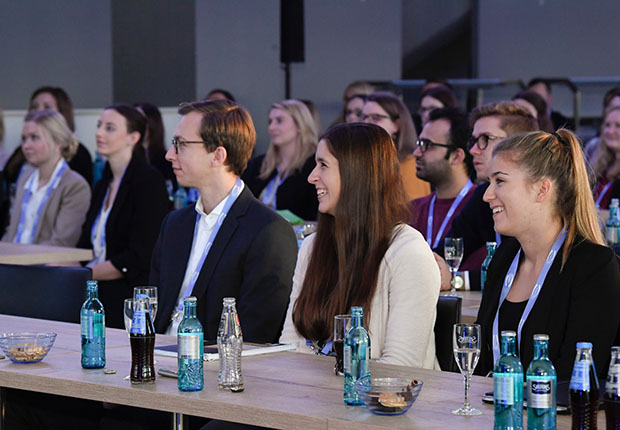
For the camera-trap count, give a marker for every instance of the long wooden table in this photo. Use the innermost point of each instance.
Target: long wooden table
(283, 390)
(17, 253)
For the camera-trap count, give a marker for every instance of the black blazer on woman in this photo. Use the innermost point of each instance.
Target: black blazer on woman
(131, 231)
(581, 303)
(294, 194)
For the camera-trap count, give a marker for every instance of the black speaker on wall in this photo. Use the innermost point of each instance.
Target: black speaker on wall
(292, 31)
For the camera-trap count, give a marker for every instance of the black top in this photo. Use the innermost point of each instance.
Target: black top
(295, 193)
(509, 315)
(579, 303)
(83, 163)
(252, 259)
(130, 233)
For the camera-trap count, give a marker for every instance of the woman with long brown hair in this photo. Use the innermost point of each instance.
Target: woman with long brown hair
(553, 275)
(363, 253)
(606, 164)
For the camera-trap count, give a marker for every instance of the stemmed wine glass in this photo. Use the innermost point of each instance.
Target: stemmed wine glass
(453, 254)
(466, 346)
(151, 292)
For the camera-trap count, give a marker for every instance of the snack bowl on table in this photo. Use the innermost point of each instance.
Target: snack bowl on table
(23, 348)
(388, 396)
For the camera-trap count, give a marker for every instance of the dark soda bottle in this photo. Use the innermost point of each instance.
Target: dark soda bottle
(612, 391)
(584, 389)
(142, 339)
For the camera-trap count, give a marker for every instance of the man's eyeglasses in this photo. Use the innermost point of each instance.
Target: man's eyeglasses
(375, 117)
(482, 141)
(176, 143)
(424, 144)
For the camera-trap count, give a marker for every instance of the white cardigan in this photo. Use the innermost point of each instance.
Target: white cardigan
(404, 307)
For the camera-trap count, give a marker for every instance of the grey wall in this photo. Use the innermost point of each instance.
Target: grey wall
(237, 46)
(62, 43)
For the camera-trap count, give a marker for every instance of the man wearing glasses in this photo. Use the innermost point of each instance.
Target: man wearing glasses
(442, 159)
(491, 123)
(228, 244)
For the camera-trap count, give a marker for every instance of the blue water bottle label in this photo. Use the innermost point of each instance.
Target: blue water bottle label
(86, 324)
(190, 345)
(347, 359)
(540, 392)
(504, 388)
(580, 380)
(138, 323)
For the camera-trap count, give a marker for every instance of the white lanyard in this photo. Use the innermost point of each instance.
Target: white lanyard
(100, 218)
(28, 193)
(269, 197)
(508, 280)
(232, 197)
(429, 222)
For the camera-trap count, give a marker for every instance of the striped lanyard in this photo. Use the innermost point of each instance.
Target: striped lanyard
(28, 194)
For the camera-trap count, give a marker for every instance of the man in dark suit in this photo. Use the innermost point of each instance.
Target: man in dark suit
(228, 244)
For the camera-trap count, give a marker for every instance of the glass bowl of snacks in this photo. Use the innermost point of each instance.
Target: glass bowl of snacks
(23, 348)
(388, 396)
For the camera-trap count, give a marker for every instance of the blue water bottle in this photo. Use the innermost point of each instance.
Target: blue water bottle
(190, 339)
(541, 387)
(485, 264)
(508, 386)
(356, 356)
(92, 323)
(612, 226)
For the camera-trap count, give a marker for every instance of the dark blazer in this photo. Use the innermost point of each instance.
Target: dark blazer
(252, 259)
(578, 304)
(131, 231)
(295, 193)
(82, 163)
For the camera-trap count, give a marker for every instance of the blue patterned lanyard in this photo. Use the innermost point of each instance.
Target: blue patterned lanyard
(22, 216)
(232, 197)
(429, 222)
(509, 279)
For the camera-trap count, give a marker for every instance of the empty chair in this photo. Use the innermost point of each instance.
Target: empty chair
(46, 292)
(448, 314)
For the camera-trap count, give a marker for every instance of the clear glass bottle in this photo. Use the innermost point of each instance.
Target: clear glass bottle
(190, 349)
(541, 387)
(229, 346)
(612, 391)
(485, 264)
(612, 226)
(508, 385)
(584, 389)
(142, 339)
(92, 323)
(356, 356)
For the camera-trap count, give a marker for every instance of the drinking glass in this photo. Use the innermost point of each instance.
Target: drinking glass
(453, 253)
(466, 346)
(342, 324)
(151, 292)
(128, 314)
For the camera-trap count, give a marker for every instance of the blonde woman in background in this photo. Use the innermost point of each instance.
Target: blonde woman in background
(51, 200)
(278, 178)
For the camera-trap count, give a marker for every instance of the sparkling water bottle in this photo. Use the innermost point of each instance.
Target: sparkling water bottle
(612, 226)
(612, 391)
(485, 264)
(190, 349)
(229, 346)
(92, 322)
(508, 386)
(584, 389)
(541, 387)
(356, 356)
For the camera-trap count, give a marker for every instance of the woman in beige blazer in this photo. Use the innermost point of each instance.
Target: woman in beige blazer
(51, 200)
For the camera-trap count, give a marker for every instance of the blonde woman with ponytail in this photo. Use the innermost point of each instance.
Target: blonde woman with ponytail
(555, 275)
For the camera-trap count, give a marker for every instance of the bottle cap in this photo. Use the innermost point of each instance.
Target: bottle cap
(541, 337)
(508, 333)
(491, 244)
(190, 299)
(357, 310)
(584, 345)
(229, 300)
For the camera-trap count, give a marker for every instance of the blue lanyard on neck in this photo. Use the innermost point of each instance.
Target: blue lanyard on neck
(232, 197)
(271, 190)
(509, 279)
(28, 194)
(429, 222)
(599, 199)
